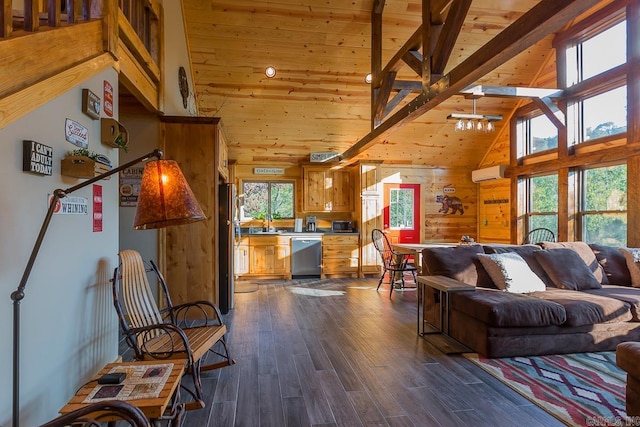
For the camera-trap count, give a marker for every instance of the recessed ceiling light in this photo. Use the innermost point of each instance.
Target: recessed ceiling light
(368, 78)
(270, 71)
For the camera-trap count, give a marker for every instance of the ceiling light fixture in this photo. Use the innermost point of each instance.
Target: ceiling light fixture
(474, 122)
(368, 78)
(270, 71)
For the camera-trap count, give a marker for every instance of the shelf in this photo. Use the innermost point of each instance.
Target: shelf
(110, 131)
(83, 167)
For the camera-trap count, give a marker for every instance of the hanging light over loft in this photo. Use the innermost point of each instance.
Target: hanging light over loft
(474, 122)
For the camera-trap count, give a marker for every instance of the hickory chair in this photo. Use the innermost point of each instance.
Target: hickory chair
(190, 331)
(392, 261)
(538, 235)
(93, 415)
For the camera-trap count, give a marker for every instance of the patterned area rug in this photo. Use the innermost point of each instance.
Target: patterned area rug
(582, 389)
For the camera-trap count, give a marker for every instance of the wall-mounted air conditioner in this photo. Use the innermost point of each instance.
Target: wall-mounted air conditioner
(488, 174)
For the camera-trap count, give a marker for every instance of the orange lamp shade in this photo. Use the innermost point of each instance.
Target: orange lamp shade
(165, 197)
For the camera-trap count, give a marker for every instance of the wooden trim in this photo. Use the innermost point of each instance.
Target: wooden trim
(7, 18)
(135, 78)
(32, 97)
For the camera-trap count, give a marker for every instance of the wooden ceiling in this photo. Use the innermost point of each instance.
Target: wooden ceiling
(319, 101)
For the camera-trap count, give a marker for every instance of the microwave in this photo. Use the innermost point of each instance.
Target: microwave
(342, 226)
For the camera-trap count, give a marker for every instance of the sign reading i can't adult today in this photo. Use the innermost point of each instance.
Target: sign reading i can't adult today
(37, 158)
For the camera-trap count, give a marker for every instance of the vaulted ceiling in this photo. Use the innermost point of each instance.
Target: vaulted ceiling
(319, 100)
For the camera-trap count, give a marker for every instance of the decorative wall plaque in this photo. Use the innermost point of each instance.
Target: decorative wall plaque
(76, 134)
(36, 157)
(90, 104)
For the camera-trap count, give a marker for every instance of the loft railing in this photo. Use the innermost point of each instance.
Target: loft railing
(74, 39)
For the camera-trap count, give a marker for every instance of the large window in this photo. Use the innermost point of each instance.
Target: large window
(604, 114)
(542, 203)
(401, 208)
(262, 198)
(535, 135)
(603, 207)
(597, 54)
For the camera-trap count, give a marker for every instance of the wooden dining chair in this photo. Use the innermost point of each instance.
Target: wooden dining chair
(392, 262)
(538, 235)
(188, 331)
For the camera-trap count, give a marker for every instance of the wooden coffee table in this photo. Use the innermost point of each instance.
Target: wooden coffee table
(165, 406)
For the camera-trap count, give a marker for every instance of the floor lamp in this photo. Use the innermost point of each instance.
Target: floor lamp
(165, 199)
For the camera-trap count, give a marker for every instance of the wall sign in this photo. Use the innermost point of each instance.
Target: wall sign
(322, 156)
(97, 208)
(70, 205)
(37, 158)
(108, 99)
(76, 134)
(268, 171)
(130, 180)
(90, 104)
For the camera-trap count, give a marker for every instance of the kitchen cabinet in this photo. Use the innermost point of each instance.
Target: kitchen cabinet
(269, 256)
(340, 255)
(326, 190)
(241, 258)
(223, 158)
(370, 217)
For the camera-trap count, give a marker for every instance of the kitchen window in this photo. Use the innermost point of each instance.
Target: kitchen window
(263, 198)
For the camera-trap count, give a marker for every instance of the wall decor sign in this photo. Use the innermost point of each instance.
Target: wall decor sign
(108, 98)
(70, 205)
(322, 156)
(130, 180)
(90, 104)
(76, 134)
(449, 190)
(97, 208)
(268, 171)
(37, 158)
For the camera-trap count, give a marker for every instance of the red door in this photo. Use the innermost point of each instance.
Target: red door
(401, 213)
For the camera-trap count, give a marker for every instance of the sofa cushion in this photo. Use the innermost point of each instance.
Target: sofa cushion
(584, 308)
(567, 270)
(510, 273)
(504, 309)
(632, 258)
(585, 253)
(457, 262)
(527, 253)
(623, 293)
(613, 263)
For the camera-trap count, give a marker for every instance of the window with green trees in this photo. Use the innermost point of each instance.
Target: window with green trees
(603, 207)
(401, 208)
(262, 198)
(542, 202)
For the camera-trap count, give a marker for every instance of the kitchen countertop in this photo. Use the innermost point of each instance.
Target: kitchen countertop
(299, 234)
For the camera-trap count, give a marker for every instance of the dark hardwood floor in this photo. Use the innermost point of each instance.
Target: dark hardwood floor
(338, 353)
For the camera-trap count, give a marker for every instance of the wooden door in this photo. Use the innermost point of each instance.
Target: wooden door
(401, 213)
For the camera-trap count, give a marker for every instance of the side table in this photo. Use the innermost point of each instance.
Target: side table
(165, 406)
(444, 286)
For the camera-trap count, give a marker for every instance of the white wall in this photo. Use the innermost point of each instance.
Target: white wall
(68, 324)
(176, 56)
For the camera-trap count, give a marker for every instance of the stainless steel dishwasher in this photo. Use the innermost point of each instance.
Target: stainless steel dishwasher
(306, 256)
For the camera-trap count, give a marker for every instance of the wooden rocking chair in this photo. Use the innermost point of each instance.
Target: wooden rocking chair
(187, 331)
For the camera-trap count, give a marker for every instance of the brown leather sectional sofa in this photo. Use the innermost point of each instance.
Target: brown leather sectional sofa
(587, 302)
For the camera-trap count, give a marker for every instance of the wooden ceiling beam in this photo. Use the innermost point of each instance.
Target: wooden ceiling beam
(543, 19)
(449, 34)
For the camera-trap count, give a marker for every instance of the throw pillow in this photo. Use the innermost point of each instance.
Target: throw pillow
(526, 252)
(613, 263)
(457, 262)
(567, 269)
(632, 256)
(511, 273)
(587, 255)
